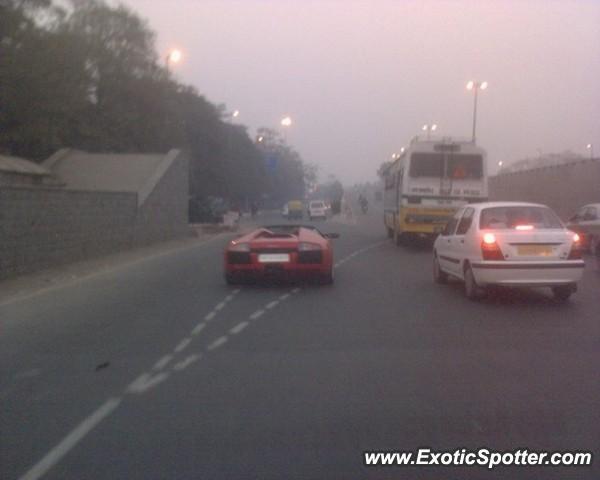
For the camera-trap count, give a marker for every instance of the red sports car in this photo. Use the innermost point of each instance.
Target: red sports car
(280, 252)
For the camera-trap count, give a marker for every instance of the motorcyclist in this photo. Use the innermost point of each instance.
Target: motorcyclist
(364, 203)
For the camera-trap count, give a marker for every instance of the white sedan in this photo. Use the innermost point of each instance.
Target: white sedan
(510, 244)
(317, 209)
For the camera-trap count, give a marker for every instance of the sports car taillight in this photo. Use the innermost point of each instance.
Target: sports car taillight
(308, 247)
(575, 253)
(239, 247)
(309, 253)
(490, 250)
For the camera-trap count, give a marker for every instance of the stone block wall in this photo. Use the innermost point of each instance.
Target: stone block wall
(565, 188)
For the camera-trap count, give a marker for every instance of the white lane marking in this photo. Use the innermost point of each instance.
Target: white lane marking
(145, 382)
(72, 439)
(217, 343)
(187, 362)
(239, 327)
(284, 297)
(220, 306)
(256, 314)
(229, 298)
(272, 304)
(295, 290)
(162, 363)
(236, 291)
(210, 316)
(183, 344)
(336, 265)
(198, 328)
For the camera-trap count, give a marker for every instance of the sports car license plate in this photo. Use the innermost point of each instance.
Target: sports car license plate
(273, 257)
(540, 250)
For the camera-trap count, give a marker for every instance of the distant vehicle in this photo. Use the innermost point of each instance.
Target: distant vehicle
(295, 209)
(427, 184)
(508, 244)
(317, 209)
(586, 222)
(285, 211)
(280, 252)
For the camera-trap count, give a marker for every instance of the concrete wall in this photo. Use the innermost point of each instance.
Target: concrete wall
(42, 227)
(164, 213)
(565, 188)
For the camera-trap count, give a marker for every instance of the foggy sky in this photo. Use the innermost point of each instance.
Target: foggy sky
(359, 79)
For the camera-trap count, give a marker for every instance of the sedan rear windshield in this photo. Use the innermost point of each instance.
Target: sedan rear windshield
(499, 218)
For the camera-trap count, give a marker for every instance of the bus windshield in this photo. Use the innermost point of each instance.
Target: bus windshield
(464, 166)
(427, 165)
(437, 165)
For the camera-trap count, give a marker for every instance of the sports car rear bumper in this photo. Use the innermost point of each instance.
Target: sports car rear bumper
(278, 271)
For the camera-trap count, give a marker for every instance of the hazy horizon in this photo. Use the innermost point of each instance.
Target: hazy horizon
(359, 79)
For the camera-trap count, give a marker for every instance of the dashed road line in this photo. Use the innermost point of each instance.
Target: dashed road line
(209, 316)
(256, 314)
(162, 363)
(145, 382)
(220, 306)
(183, 344)
(71, 440)
(194, 357)
(295, 290)
(272, 304)
(217, 343)
(284, 297)
(239, 327)
(198, 328)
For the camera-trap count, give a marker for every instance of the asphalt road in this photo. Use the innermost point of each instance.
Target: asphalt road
(158, 370)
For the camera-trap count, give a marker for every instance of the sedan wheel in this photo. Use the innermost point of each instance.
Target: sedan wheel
(472, 290)
(438, 275)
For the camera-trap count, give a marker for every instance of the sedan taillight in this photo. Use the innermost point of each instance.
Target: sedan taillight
(575, 253)
(490, 250)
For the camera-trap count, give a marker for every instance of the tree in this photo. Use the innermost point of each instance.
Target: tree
(382, 170)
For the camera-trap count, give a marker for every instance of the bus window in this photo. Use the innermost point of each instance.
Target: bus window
(465, 167)
(426, 165)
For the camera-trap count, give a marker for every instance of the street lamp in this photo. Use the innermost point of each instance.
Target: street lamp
(174, 56)
(429, 129)
(590, 147)
(286, 123)
(475, 86)
(235, 114)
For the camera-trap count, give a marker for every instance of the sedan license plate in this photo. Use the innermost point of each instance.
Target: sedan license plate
(273, 257)
(535, 250)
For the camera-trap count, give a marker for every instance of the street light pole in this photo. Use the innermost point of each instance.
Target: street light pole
(474, 114)
(429, 129)
(286, 123)
(475, 86)
(590, 147)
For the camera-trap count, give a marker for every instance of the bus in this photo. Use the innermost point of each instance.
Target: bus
(429, 181)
